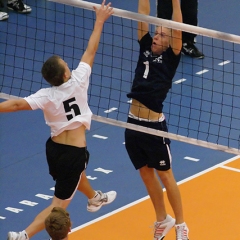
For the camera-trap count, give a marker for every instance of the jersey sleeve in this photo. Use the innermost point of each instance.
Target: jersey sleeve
(82, 74)
(37, 100)
(145, 41)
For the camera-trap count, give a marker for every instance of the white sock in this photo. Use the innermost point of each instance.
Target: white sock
(25, 234)
(167, 219)
(96, 197)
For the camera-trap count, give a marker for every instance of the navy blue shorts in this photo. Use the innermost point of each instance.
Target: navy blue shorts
(146, 149)
(66, 163)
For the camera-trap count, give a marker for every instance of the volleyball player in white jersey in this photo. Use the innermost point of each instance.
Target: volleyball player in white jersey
(67, 113)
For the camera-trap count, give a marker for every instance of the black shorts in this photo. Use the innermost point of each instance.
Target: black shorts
(146, 149)
(66, 163)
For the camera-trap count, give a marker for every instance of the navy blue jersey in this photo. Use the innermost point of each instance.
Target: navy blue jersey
(153, 75)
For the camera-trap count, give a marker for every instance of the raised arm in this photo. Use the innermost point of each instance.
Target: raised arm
(14, 105)
(176, 42)
(102, 14)
(143, 8)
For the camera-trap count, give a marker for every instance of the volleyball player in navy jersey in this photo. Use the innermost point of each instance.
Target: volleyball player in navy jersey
(67, 113)
(158, 60)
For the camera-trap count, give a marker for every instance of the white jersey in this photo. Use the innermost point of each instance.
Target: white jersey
(65, 107)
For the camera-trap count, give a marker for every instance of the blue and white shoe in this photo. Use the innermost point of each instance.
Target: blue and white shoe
(18, 6)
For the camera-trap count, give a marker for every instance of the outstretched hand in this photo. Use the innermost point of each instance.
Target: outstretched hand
(103, 12)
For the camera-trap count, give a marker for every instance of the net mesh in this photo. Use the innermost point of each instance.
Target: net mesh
(202, 107)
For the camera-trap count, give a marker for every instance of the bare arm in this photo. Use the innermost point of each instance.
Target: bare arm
(143, 8)
(102, 14)
(176, 42)
(14, 105)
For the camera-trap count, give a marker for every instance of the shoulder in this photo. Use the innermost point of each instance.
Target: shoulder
(84, 65)
(40, 93)
(83, 69)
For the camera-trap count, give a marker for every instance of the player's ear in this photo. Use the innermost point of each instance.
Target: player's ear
(65, 76)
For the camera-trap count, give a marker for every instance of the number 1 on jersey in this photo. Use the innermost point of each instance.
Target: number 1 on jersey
(145, 75)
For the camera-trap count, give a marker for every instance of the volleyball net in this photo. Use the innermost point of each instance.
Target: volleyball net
(202, 107)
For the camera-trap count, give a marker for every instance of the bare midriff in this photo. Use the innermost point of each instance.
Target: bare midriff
(141, 111)
(75, 137)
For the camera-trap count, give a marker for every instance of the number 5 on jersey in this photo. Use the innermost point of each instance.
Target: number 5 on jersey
(70, 105)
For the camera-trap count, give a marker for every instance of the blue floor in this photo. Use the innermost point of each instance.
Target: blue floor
(25, 185)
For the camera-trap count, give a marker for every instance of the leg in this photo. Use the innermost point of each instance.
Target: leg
(173, 193)
(1, 4)
(155, 191)
(164, 9)
(174, 198)
(38, 224)
(96, 199)
(85, 187)
(164, 222)
(190, 16)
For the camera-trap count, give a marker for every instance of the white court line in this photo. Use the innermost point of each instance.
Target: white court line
(110, 110)
(230, 168)
(202, 72)
(192, 159)
(180, 81)
(99, 136)
(224, 63)
(147, 197)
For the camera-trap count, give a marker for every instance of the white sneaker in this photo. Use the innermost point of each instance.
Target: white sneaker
(3, 16)
(162, 228)
(105, 198)
(181, 231)
(17, 236)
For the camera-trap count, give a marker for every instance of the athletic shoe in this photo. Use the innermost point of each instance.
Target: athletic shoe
(19, 6)
(3, 16)
(191, 50)
(181, 232)
(162, 228)
(105, 198)
(17, 236)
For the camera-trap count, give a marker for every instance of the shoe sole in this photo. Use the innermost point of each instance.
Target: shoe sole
(98, 207)
(25, 11)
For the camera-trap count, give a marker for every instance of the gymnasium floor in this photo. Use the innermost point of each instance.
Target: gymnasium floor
(208, 179)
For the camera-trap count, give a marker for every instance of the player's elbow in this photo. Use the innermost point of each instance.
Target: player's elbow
(21, 104)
